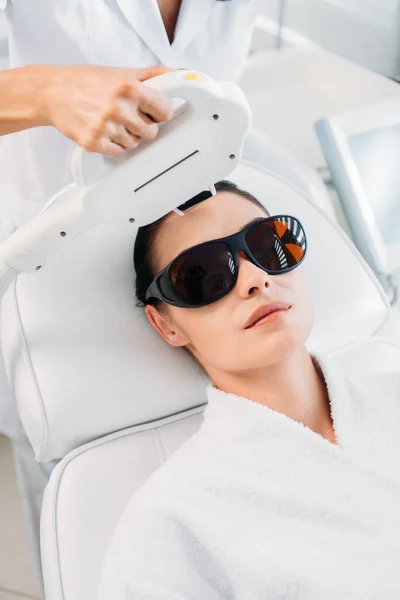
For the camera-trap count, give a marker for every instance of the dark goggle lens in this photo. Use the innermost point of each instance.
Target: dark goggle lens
(277, 244)
(203, 274)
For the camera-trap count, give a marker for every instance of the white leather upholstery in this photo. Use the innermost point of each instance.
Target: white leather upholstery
(283, 164)
(90, 488)
(83, 360)
(77, 526)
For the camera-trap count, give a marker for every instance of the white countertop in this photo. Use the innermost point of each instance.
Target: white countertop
(290, 89)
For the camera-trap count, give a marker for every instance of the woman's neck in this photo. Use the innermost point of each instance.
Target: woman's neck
(294, 387)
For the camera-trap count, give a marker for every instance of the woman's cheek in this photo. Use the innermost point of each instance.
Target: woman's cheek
(211, 334)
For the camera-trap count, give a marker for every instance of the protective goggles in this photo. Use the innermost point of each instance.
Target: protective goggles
(206, 273)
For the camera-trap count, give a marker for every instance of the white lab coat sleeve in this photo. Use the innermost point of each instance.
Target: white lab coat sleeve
(155, 555)
(10, 424)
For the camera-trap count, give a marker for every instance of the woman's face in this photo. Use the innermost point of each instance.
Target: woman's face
(217, 334)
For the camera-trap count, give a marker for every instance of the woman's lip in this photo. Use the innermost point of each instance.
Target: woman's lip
(274, 316)
(263, 311)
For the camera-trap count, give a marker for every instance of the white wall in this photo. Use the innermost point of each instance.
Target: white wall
(366, 31)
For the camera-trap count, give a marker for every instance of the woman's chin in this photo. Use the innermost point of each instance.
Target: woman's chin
(273, 348)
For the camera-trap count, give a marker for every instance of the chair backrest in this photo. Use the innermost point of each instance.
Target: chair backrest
(84, 362)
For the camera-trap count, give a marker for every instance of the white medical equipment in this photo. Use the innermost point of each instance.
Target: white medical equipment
(96, 385)
(362, 148)
(201, 144)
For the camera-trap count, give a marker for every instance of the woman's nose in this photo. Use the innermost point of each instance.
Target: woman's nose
(251, 279)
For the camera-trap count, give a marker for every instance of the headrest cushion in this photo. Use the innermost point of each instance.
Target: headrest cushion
(83, 361)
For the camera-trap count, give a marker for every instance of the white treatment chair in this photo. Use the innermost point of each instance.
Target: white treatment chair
(98, 388)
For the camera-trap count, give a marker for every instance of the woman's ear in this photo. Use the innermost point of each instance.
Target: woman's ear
(164, 325)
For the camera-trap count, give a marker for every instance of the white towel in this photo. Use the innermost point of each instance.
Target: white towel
(257, 506)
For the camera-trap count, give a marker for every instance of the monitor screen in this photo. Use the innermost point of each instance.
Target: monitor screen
(376, 154)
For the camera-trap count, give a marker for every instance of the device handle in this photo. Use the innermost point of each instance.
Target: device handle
(195, 88)
(192, 86)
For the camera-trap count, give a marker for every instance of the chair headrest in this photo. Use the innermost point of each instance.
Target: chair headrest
(83, 360)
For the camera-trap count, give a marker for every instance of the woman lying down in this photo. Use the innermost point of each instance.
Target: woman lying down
(291, 486)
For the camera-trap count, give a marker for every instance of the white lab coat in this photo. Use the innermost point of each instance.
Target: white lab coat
(211, 36)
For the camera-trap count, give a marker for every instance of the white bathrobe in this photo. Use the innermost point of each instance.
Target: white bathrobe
(257, 506)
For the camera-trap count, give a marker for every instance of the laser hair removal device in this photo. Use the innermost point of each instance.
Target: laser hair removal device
(200, 145)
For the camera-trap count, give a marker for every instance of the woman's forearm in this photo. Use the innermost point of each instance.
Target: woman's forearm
(22, 97)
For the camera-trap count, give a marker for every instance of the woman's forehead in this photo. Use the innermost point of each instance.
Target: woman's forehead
(219, 216)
